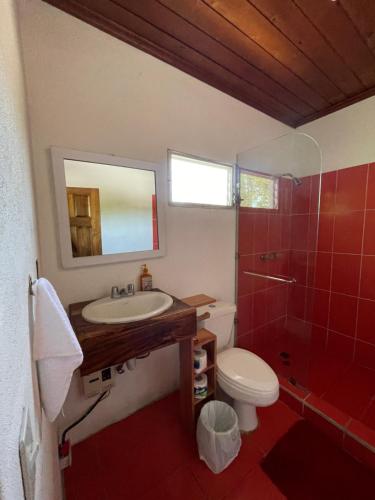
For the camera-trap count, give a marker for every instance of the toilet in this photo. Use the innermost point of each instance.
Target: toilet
(241, 374)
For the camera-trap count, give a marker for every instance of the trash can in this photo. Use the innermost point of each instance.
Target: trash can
(218, 435)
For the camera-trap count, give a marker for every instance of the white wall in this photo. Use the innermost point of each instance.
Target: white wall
(296, 153)
(343, 139)
(91, 92)
(125, 196)
(18, 251)
(347, 137)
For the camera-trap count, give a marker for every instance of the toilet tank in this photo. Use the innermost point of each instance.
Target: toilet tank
(221, 322)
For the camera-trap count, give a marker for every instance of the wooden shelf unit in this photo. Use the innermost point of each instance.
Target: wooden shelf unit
(198, 300)
(206, 340)
(209, 367)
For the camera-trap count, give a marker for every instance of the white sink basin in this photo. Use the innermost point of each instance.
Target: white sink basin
(137, 307)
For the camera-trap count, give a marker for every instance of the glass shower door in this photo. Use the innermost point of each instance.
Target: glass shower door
(278, 185)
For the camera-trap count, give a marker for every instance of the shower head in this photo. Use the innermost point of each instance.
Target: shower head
(296, 180)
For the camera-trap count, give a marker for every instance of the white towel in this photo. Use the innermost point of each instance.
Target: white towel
(56, 348)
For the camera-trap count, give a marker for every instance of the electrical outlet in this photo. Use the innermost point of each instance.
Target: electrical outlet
(28, 449)
(98, 382)
(65, 455)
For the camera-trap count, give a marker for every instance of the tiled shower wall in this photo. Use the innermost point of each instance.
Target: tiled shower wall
(272, 317)
(344, 292)
(262, 304)
(332, 305)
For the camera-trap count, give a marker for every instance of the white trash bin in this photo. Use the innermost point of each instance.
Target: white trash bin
(218, 435)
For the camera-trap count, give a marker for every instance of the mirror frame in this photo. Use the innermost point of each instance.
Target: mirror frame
(68, 261)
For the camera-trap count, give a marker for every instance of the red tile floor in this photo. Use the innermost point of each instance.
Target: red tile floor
(149, 456)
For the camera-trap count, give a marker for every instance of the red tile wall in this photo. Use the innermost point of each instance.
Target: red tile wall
(262, 304)
(330, 253)
(340, 274)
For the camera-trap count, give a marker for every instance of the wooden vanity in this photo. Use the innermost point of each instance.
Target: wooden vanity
(105, 345)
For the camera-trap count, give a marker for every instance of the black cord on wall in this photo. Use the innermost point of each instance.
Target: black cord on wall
(100, 398)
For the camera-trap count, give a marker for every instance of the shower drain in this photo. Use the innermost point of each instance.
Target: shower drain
(284, 355)
(285, 358)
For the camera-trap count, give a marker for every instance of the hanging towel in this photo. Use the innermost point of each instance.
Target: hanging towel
(55, 348)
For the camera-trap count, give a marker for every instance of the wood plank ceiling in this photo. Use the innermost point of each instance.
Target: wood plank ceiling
(295, 60)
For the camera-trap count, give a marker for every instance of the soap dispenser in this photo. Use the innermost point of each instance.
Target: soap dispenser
(145, 279)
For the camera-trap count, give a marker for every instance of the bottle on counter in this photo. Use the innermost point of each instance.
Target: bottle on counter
(145, 279)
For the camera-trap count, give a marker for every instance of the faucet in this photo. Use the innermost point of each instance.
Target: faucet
(116, 293)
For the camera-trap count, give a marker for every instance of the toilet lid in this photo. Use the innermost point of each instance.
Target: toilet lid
(246, 369)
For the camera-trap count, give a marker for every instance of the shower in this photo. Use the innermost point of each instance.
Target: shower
(296, 180)
(277, 252)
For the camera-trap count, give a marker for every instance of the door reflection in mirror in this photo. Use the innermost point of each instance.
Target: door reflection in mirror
(112, 209)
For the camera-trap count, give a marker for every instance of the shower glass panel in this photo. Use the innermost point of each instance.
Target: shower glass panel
(278, 212)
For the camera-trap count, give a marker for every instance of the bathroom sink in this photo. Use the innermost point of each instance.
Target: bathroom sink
(127, 309)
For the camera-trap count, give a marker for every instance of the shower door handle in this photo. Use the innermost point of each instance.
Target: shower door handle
(282, 279)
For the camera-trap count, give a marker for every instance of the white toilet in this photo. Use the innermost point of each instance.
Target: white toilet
(241, 374)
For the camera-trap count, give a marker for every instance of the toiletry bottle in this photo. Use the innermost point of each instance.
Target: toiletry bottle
(145, 279)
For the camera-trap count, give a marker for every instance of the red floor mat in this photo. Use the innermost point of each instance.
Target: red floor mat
(306, 465)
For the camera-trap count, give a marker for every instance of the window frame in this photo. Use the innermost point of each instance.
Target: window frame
(276, 188)
(171, 203)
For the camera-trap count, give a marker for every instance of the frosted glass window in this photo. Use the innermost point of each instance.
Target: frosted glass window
(258, 191)
(199, 182)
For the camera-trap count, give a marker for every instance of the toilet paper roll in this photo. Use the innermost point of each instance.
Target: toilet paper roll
(200, 360)
(201, 386)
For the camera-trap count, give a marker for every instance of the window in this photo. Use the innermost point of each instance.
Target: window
(258, 190)
(194, 181)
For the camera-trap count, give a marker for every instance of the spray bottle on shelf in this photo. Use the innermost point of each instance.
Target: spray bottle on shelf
(145, 279)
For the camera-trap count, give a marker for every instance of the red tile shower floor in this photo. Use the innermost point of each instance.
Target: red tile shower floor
(344, 384)
(337, 389)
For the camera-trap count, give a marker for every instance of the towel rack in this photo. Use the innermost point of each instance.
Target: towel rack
(283, 279)
(31, 281)
(31, 284)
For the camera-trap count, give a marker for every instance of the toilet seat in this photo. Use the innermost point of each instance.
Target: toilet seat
(245, 376)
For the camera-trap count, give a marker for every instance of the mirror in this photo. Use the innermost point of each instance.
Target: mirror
(109, 208)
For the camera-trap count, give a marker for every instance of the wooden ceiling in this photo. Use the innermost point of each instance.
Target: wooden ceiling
(295, 60)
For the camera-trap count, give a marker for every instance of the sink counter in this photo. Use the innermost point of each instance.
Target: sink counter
(106, 345)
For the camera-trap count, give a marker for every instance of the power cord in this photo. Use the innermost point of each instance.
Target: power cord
(103, 396)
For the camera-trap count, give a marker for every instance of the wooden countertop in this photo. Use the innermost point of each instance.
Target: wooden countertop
(106, 345)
